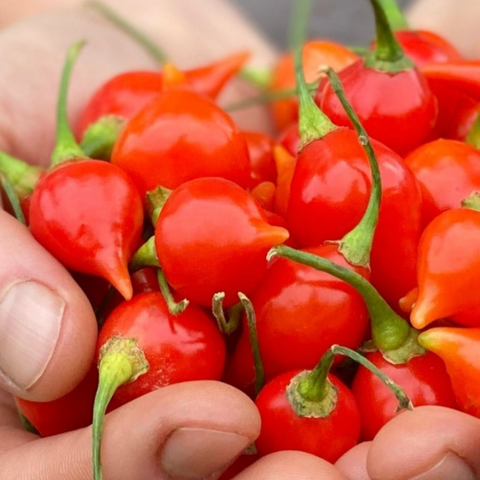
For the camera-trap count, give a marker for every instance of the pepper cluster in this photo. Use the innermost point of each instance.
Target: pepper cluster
(277, 266)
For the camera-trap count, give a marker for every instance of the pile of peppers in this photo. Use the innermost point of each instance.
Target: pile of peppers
(328, 271)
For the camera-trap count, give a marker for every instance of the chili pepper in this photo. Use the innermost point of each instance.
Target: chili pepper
(331, 184)
(422, 376)
(178, 137)
(422, 46)
(87, 213)
(285, 164)
(461, 121)
(449, 268)
(262, 162)
(448, 171)
(316, 53)
(313, 411)
(264, 194)
(68, 413)
(224, 233)
(238, 466)
(142, 347)
(290, 139)
(458, 348)
(402, 122)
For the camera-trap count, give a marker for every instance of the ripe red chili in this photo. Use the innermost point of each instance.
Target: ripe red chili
(262, 162)
(212, 236)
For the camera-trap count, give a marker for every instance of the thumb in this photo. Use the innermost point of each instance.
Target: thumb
(186, 431)
(47, 326)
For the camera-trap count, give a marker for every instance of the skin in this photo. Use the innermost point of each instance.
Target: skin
(138, 436)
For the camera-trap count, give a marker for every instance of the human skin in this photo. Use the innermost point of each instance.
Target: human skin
(53, 344)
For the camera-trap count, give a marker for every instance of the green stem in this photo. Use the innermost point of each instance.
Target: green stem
(12, 198)
(395, 16)
(66, 147)
(389, 330)
(133, 32)
(473, 137)
(252, 330)
(145, 256)
(269, 97)
(155, 201)
(100, 137)
(388, 55)
(258, 77)
(227, 327)
(357, 244)
(175, 308)
(21, 175)
(312, 387)
(313, 124)
(472, 202)
(121, 361)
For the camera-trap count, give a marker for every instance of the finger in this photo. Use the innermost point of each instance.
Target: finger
(354, 463)
(434, 443)
(457, 24)
(291, 466)
(184, 431)
(47, 326)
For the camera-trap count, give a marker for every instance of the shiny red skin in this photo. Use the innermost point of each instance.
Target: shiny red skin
(330, 192)
(303, 312)
(290, 139)
(212, 236)
(424, 379)
(88, 214)
(178, 137)
(262, 162)
(68, 413)
(448, 171)
(460, 126)
(178, 348)
(401, 121)
(424, 47)
(126, 94)
(283, 429)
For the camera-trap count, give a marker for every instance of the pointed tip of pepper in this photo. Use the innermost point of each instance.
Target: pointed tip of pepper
(421, 315)
(173, 77)
(121, 281)
(270, 236)
(432, 339)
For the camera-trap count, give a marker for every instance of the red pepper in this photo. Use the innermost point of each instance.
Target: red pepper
(262, 162)
(449, 269)
(313, 412)
(143, 347)
(448, 171)
(290, 139)
(422, 46)
(264, 194)
(87, 213)
(458, 348)
(285, 165)
(315, 54)
(211, 236)
(402, 121)
(178, 137)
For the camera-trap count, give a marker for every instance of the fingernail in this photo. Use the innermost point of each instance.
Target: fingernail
(449, 467)
(30, 319)
(197, 453)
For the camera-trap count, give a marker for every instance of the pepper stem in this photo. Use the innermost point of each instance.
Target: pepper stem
(175, 308)
(357, 244)
(389, 330)
(472, 202)
(226, 327)
(22, 176)
(313, 124)
(395, 16)
(473, 137)
(155, 201)
(312, 387)
(133, 32)
(12, 198)
(145, 256)
(100, 137)
(121, 361)
(252, 330)
(66, 147)
(388, 55)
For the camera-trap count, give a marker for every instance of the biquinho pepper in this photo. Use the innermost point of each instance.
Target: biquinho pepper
(402, 121)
